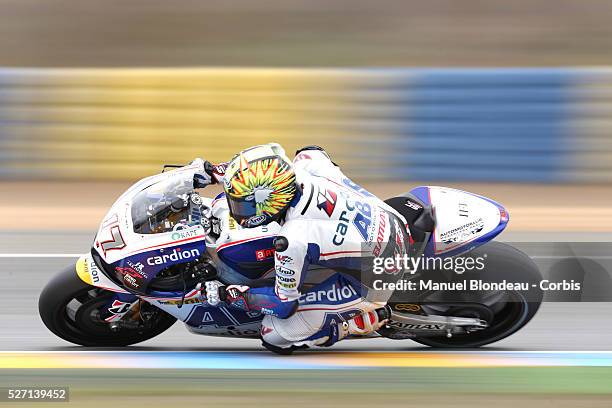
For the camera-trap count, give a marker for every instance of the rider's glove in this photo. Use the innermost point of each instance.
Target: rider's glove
(218, 171)
(233, 295)
(207, 173)
(204, 174)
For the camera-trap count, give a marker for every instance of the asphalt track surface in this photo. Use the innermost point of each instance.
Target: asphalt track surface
(557, 326)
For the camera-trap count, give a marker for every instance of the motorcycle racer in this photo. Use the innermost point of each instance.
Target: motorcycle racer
(326, 220)
(163, 243)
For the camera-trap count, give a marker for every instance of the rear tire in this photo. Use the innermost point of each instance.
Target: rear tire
(67, 291)
(503, 262)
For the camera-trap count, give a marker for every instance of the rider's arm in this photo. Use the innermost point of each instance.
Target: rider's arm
(291, 259)
(292, 256)
(261, 299)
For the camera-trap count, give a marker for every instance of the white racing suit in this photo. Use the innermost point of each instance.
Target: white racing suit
(333, 223)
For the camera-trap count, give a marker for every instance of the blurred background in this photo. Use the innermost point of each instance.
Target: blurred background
(513, 96)
(508, 99)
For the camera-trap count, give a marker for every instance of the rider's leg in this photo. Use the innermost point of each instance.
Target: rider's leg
(323, 327)
(327, 313)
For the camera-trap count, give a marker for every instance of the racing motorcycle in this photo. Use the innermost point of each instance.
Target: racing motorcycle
(162, 241)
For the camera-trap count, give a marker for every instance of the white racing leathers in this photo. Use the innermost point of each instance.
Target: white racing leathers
(334, 223)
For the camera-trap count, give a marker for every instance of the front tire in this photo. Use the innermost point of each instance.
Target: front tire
(67, 307)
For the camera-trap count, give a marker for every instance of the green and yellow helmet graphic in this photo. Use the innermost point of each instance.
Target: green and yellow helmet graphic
(259, 184)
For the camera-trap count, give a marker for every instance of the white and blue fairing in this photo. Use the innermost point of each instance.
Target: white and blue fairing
(464, 220)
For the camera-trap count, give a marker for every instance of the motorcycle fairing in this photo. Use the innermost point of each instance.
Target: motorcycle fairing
(137, 271)
(88, 272)
(202, 318)
(464, 220)
(117, 238)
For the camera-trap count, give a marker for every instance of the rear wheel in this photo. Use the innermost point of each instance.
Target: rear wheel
(505, 312)
(70, 308)
(515, 313)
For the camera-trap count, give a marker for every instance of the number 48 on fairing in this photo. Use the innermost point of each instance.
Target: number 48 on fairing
(363, 219)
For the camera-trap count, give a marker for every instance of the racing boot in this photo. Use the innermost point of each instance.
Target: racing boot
(360, 325)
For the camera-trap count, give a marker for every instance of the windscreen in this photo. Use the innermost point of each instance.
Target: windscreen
(169, 205)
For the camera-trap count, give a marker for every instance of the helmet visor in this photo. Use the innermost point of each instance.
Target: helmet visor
(242, 209)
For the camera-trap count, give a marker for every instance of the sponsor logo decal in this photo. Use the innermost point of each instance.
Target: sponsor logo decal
(255, 220)
(347, 182)
(284, 271)
(400, 248)
(285, 279)
(326, 201)
(287, 285)
(283, 259)
(174, 302)
(380, 237)
(176, 255)
(266, 311)
(130, 277)
(342, 227)
(137, 266)
(362, 221)
(407, 307)
(463, 232)
(183, 234)
(412, 205)
(94, 272)
(334, 294)
(264, 254)
(418, 326)
(118, 307)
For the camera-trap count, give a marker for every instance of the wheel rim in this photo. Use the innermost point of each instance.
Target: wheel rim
(507, 318)
(80, 315)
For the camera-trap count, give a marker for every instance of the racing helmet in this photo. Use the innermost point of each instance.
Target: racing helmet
(259, 185)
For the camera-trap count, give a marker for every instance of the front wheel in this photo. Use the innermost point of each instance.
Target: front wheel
(506, 312)
(70, 308)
